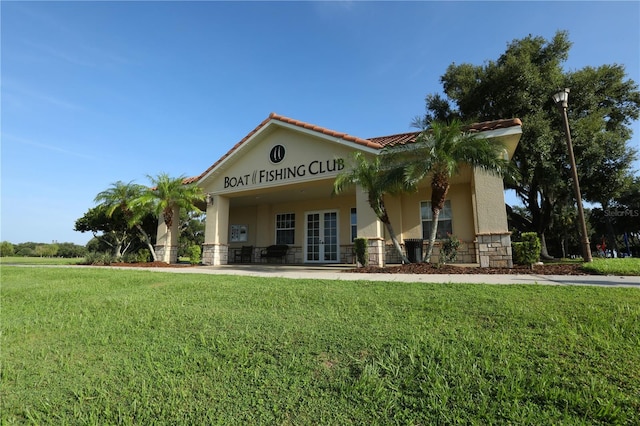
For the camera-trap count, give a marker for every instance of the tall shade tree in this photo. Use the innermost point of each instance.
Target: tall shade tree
(113, 230)
(376, 180)
(439, 153)
(168, 193)
(124, 197)
(602, 105)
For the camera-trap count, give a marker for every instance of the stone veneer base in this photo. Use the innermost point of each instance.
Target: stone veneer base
(168, 254)
(215, 254)
(494, 250)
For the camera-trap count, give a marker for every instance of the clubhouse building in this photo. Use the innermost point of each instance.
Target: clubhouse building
(274, 188)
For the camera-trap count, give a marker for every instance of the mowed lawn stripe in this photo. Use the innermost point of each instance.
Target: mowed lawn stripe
(100, 346)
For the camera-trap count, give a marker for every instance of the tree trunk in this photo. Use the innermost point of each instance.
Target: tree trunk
(118, 248)
(381, 211)
(395, 242)
(147, 241)
(432, 236)
(544, 253)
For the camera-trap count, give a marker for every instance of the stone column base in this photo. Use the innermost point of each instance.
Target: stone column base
(215, 254)
(376, 251)
(494, 250)
(168, 254)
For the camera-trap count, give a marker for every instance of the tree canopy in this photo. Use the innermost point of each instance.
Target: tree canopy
(167, 193)
(519, 84)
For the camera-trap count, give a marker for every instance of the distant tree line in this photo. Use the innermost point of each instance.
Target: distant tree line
(32, 249)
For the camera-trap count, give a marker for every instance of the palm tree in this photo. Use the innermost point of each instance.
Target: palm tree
(123, 197)
(168, 193)
(376, 181)
(439, 152)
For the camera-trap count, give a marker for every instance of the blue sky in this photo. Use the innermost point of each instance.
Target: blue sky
(96, 92)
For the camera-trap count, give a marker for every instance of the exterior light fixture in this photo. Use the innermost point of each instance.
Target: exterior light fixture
(561, 99)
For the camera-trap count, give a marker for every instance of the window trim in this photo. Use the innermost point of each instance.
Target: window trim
(292, 228)
(353, 226)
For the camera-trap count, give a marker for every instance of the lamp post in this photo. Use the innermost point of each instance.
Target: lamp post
(562, 100)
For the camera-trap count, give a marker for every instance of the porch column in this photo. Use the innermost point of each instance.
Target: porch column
(492, 230)
(167, 238)
(371, 228)
(215, 250)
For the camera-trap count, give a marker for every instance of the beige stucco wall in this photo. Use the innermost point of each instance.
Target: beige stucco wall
(307, 158)
(491, 214)
(246, 215)
(404, 212)
(217, 222)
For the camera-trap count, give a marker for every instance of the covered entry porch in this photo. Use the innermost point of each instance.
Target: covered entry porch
(314, 226)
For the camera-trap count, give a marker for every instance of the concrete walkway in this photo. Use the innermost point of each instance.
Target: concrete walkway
(336, 272)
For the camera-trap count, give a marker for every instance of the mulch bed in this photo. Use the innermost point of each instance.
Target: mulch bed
(428, 268)
(150, 265)
(419, 268)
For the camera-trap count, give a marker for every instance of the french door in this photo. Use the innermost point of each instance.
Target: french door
(322, 237)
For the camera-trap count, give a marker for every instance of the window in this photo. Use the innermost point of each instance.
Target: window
(285, 228)
(354, 224)
(444, 220)
(238, 233)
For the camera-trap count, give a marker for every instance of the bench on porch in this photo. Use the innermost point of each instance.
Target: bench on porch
(276, 251)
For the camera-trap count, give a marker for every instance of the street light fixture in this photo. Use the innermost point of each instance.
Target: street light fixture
(562, 101)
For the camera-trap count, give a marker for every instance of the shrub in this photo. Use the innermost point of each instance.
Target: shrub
(527, 251)
(143, 255)
(129, 258)
(99, 258)
(195, 254)
(361, 249)
(449, 250)
(6, 249)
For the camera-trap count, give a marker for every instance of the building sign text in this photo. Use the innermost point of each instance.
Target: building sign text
(313, 168)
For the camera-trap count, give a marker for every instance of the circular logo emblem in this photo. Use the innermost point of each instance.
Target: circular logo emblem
(277, 154)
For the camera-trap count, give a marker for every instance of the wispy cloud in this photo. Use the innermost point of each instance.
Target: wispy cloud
(12, 89)
(78, 51)
(86, 56)
(60, 54)
(11, 138)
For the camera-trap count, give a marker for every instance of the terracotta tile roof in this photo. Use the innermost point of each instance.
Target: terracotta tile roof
(410, 137)
(391, 140)
(325, 131)
(485, 126)
(192, 179)
(376, 143)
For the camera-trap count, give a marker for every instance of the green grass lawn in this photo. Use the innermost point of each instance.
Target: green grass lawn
(626, 266)
(102, 346)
